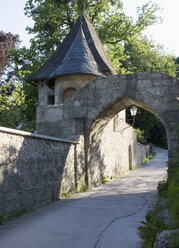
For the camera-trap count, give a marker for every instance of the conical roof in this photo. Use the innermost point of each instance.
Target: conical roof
(78, 60)
(81, 52)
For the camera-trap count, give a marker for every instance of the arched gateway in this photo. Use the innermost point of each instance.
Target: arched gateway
(103, 98)
(80, 97)
(81, 68)
(86, 114)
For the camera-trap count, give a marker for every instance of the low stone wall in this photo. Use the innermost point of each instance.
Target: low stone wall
(34, 169)
(148, 149)
(140, 153)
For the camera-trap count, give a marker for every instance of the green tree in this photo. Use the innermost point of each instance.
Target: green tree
(53, 20)
(128, 49)
(123, 40)
(177, 66)
(11, 93)
(11, 103)
(150, 127)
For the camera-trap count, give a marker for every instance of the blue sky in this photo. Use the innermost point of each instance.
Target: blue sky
(12, 19)
(166, 33)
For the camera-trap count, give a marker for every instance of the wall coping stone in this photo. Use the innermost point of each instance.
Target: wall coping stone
(141, 144)
(34, 135)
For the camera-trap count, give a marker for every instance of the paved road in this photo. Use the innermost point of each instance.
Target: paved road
(104, 217)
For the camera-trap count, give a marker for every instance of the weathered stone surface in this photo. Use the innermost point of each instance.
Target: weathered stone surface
(33, 171)
(105, 97)
(140, 153)
(88, 114)
(163, 240)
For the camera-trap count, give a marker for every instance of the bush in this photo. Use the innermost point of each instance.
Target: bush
(140, 136)
(171, 175)
(172, 168)
(162, 188)
(168, 188)
(173, 198)
(152, 226)
(174, 240)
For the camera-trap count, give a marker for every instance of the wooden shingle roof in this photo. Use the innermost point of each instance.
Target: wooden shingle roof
(81, 52)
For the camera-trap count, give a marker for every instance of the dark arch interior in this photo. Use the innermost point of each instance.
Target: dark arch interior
(151, 129)
(154, 127)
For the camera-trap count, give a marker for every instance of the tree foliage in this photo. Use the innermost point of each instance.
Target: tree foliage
(11, 94)
(177, 66)
(11, 103)
(123, 38)
(8, 42)
(150, 127)
(129, 50)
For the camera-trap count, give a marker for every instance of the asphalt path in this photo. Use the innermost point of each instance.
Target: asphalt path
(104, 217)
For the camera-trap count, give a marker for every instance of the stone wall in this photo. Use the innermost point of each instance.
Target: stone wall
(115, 151)
(140, 153)
(115, 148)
(34, 170)
(100, 100)
(49, 117)
(64, 82)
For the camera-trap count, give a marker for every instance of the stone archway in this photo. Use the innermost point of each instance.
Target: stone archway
(87, 113)
(102, 98)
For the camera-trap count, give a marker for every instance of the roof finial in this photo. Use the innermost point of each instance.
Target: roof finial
(84, 8)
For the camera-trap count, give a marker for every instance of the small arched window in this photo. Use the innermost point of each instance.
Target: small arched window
(68, 93)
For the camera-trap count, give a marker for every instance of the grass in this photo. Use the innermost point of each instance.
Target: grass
(147, 159)
(122, 173)
(75, 190)
(15, 214)
(136, 167)
(84, 188)
(152, 155)
(104, 180)
(66, 195)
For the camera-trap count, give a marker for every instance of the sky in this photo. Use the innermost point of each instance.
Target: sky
(166, 33)
(12, 19)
